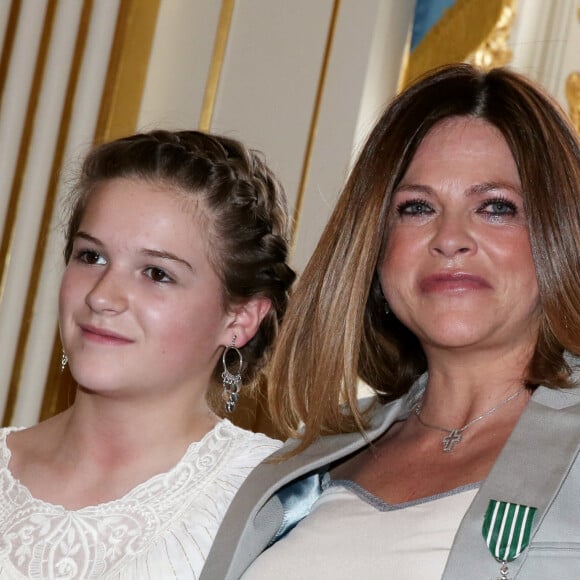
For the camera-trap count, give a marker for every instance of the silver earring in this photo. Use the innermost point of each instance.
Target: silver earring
(387, 308)
(232, 381)
(63, 361)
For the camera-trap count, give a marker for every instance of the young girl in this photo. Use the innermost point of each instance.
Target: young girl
(175, 284)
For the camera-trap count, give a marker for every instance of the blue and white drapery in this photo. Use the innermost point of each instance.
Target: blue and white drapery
(427, 13)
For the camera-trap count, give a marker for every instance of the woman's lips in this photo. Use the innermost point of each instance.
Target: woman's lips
(453, 282)
(103, 336)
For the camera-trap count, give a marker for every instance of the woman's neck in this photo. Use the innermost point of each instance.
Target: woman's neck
(462, 386)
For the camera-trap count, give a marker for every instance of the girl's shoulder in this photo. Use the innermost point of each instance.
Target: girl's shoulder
(234, 445)
(5, 451)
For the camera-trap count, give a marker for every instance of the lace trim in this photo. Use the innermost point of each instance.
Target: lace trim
(42, 540)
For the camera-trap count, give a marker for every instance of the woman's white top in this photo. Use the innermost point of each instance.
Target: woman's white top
(351, 533)
(161, 529)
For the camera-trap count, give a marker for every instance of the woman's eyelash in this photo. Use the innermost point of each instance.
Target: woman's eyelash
(420, 206)
(502, 202)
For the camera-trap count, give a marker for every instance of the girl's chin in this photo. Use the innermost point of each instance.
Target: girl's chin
(97, 379)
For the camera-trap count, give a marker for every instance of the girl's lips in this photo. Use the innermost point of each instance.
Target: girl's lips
(453, 282)
(103, 336)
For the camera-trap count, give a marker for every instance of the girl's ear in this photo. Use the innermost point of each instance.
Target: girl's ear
(247, 318)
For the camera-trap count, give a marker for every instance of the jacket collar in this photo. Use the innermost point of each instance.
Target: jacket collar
(247, 528)
(529, 471)
(551, 415)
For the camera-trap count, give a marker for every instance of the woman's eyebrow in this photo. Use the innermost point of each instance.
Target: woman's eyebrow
(414, 188)
(488, 186)
(477, 188)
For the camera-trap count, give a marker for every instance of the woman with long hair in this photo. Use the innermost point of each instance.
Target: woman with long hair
(448, 280)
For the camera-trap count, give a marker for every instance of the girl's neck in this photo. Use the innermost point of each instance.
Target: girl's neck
(113, 432)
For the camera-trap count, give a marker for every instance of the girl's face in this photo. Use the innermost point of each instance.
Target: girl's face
(141, 308)
(457, 267)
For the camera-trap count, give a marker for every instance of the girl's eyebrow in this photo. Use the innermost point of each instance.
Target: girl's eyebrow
(88, 238)
(166, 256)
(162, 254)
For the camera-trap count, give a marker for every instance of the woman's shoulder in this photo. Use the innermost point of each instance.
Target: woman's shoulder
(558, 398)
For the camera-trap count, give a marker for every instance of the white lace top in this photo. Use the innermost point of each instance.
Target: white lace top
(163, 528)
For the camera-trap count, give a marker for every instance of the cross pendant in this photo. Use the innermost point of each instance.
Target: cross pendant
(449, 441)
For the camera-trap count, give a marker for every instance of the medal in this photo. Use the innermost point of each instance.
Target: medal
(506, 530)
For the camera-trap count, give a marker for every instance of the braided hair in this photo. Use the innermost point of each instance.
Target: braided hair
(245, 205)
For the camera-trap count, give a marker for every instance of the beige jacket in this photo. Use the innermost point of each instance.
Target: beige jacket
(538, 467)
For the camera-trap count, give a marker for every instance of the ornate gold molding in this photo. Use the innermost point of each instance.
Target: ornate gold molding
(495, 50)
(475, 31)
(573, 93)
(8, 236)
(217, 60)
(573, 97)
(119, 111)
(8, 45)
(50, 201)
(314, 120)
(57, 392)
(125, 82)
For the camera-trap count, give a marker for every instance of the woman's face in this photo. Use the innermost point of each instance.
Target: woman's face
(457, 268)
(141, 308)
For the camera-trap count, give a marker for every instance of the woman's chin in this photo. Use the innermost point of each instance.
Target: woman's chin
(457, 335)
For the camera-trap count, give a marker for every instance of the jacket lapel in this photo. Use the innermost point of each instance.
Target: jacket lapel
(251, 520)
(255, 516)
(529, 471)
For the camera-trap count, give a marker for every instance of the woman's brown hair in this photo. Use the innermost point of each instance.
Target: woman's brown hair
(336, 331)
(244, 209)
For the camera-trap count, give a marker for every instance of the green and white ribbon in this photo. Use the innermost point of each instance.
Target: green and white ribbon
(507, 528)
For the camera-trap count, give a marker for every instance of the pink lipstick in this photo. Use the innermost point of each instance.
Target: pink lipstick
(103, 336)
(453, 282)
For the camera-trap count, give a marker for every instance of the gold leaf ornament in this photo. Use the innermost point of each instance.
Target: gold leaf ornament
(474, 31)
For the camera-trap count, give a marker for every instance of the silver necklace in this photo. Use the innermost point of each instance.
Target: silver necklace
(454, 436)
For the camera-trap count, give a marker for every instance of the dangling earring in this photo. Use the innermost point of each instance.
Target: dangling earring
(232, 382)
(387, 308)
(63, 361)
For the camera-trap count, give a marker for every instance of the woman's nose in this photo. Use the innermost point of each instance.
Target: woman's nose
(109, 294)
(452, 236)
